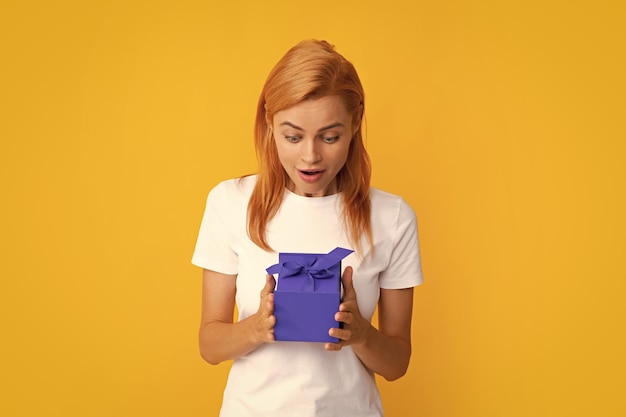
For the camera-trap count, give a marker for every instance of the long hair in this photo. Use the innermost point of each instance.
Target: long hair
(310, 70)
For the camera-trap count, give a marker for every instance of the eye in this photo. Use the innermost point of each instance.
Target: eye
(330, 139)
(292, 139)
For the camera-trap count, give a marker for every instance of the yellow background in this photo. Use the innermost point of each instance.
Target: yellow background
(501, 123)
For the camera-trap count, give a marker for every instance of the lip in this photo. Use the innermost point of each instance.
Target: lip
(313, 175)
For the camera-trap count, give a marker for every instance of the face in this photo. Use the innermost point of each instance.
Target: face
(312, 139)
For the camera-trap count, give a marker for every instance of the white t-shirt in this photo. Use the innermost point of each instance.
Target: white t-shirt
(301, 378)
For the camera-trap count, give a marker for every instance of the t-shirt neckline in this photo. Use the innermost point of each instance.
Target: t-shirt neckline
(291, 196)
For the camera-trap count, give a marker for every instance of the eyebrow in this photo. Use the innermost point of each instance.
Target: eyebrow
(331, 126)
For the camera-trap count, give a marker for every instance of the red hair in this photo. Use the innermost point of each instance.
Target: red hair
(310, 70)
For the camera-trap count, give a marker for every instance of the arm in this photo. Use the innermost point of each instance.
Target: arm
(220, 338)
(387, 350)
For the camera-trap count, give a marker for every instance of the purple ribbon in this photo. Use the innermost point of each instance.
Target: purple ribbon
(313, 268)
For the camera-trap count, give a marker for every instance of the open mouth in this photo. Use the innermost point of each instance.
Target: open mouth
(311, 172)
(311, 175)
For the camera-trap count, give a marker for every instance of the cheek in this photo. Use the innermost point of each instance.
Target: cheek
(279, 149)
(284, 154)
(343, 157)
(275, 155)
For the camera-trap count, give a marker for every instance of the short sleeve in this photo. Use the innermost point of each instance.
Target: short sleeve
(405, 267)
(215, 241)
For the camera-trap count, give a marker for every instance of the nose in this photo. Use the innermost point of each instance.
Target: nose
(310, 151)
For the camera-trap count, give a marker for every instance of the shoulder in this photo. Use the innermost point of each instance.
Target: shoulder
(384, 203)
(382, 197)
(233, 190)
(391, 215)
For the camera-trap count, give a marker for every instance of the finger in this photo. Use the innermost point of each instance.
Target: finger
(348, 306)
(270, 303)
(348, 285)
(341, 334)
(333, 346)
(344, 316)
(270, 336)
(268, 325)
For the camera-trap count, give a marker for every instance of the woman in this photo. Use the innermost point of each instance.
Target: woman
(312, 194)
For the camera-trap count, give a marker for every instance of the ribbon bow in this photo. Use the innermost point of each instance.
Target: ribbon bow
(313, 269)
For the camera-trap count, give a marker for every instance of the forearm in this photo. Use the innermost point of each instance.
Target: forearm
(385, 355)
(386, 351)
(220, 341)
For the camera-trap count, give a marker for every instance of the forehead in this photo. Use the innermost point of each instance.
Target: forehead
(323, 110)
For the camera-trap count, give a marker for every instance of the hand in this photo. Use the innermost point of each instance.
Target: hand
(263, 321)
(355, 327)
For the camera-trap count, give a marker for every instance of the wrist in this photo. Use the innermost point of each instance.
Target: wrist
(250, 327)
(364, 340)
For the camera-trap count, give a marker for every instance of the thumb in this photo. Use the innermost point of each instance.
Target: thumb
(270, 283)
(348, 284)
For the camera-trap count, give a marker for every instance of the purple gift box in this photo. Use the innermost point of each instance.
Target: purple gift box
(307, 295)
